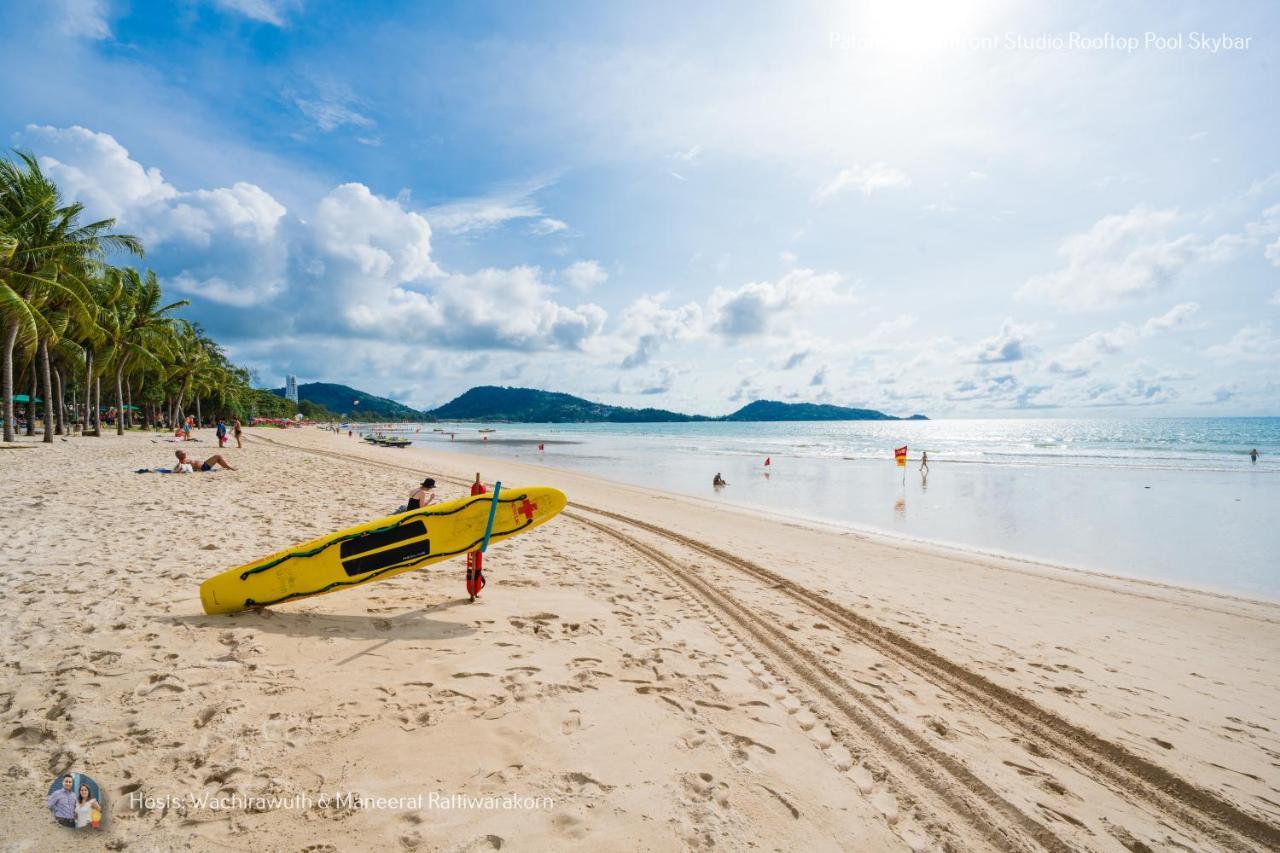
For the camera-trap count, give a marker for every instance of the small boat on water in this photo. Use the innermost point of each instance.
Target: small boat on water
(486, 429)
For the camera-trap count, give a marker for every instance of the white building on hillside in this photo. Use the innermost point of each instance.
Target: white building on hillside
(291, 388)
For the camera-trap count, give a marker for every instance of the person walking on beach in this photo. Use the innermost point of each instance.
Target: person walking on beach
(198, 465)
(924, 460)
(221, 432)
(1253, 456)
(235, 428)
(62, 803)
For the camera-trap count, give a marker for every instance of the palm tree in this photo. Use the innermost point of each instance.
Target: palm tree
(48, 254)
(137, 327)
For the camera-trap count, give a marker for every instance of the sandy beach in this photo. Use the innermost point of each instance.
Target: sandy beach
(646, 671)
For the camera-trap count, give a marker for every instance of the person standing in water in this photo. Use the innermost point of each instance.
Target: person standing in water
(1253, 456)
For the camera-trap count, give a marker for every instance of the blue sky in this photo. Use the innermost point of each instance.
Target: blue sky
(962, 209)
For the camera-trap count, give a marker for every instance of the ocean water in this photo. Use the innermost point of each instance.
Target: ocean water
(1176, 500)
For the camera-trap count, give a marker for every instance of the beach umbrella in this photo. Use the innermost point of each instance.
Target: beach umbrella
(23, 398)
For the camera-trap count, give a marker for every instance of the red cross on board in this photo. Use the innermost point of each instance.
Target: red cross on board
(526, 509)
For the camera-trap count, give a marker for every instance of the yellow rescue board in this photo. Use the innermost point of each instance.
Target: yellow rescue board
(379, 549)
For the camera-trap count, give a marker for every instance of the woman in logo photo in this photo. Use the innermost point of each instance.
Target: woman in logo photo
(88, 812)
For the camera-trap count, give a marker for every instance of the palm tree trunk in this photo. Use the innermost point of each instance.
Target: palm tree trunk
(199, 419)
(177, 406)
(10, 338)
(88, 390)
(120, 398)
(97, 406)
(57, 385)
(31, 401)
(128, 400)
(47, 381)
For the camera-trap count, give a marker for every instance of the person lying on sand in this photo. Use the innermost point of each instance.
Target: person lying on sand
(197, 465)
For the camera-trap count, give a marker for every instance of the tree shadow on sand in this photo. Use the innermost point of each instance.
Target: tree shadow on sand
(408, 625)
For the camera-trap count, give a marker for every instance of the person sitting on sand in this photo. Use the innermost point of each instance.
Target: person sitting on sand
(62, 803)
(719, 481)
(198, 465)
(424, 495)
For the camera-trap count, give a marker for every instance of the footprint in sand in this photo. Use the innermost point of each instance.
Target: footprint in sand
(30, 735)
(161, 681)
(580, 783)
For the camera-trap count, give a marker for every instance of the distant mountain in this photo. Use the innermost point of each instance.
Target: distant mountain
(342, 400)
(771, 410)
(529, 405)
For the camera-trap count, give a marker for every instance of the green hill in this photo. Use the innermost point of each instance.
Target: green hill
(770, 410)
(529, 405)
(341, 400)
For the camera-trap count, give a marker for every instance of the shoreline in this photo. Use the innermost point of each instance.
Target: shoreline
(669, 671)
(955, 547)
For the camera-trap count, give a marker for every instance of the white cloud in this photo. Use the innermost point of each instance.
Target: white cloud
(95, 169)
(688, 155)
(866, 180)
(758, 308)
(1008, 345)
(272, 12)
(331, 113)
(1252, 343)
(793, 360)
(483, 213)
(585, 275)
(85, 18)
(381, 243)
(230, 241)
(1175, 317)
(1086, 354)
(1122, 256)
(503, 309)
(647, 324)
(548, 225)
(360, 265)
(219, 290)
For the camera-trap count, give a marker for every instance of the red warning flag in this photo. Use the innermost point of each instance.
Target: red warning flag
(767, 460)
(475, 559)
(900, 456)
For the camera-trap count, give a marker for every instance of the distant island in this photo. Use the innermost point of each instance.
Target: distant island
(491, 403)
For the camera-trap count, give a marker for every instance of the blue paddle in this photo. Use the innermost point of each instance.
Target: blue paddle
(493, 511)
